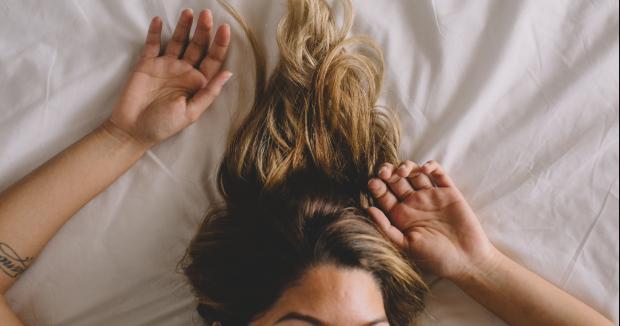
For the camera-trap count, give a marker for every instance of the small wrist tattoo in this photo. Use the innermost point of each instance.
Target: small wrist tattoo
(11, 263)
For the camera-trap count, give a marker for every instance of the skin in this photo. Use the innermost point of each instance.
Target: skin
(422, 211)
(167, 91)
(419, 208)
(329, 295)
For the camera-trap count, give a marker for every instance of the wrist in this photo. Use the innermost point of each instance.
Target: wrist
(482, 267)
(112, 131)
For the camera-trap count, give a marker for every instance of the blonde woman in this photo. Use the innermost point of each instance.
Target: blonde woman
(308, 233)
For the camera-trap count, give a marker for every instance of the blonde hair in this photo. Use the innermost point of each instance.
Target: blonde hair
(316, 114)
(294, 176)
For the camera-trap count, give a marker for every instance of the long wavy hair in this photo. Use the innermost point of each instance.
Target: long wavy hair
(295, 173)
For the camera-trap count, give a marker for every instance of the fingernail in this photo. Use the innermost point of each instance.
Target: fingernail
(228, 76)
(372, 183)
(427, 163)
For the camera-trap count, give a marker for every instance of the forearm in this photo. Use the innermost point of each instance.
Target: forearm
(521, 297)
(35, 208)
(7, 317)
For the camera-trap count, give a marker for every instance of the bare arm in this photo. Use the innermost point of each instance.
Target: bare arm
(423, 212)
(32, 210)
(165, 94)
(7, 318)
(521, 297)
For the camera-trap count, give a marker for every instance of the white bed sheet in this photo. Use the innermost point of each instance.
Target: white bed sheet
(518, 99)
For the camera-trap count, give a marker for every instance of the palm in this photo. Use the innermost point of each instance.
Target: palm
(443, 231)
(435, 225)
(156, 97)
(165, 94)
(165, 79)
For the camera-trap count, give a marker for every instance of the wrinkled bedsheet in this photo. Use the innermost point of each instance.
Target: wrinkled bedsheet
(518, 100)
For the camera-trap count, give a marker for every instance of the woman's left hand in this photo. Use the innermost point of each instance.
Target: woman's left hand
(168, 92)
(425, 214)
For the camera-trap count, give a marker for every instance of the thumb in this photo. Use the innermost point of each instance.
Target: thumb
(394, 234)
(205, 97)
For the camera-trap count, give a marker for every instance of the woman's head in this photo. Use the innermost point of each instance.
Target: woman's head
(294, 180)
(329, 295)
(261, 263)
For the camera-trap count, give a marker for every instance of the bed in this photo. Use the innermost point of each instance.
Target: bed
(517, 99)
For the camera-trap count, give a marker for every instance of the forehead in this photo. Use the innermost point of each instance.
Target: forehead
(335, 295)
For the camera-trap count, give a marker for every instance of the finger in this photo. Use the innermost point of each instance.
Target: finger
(380, 192)
(216, 55)
(384, 224)
(180, 37)
(199, 44)
(204, 97)
(152, 45)
(398, 185)
(436, 172)
(419, 180)
(405, 168)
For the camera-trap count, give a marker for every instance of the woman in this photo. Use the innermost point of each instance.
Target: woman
(294, 181)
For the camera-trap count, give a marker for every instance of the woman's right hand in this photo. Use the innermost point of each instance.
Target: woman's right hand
(170, 89)
(423, 212)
